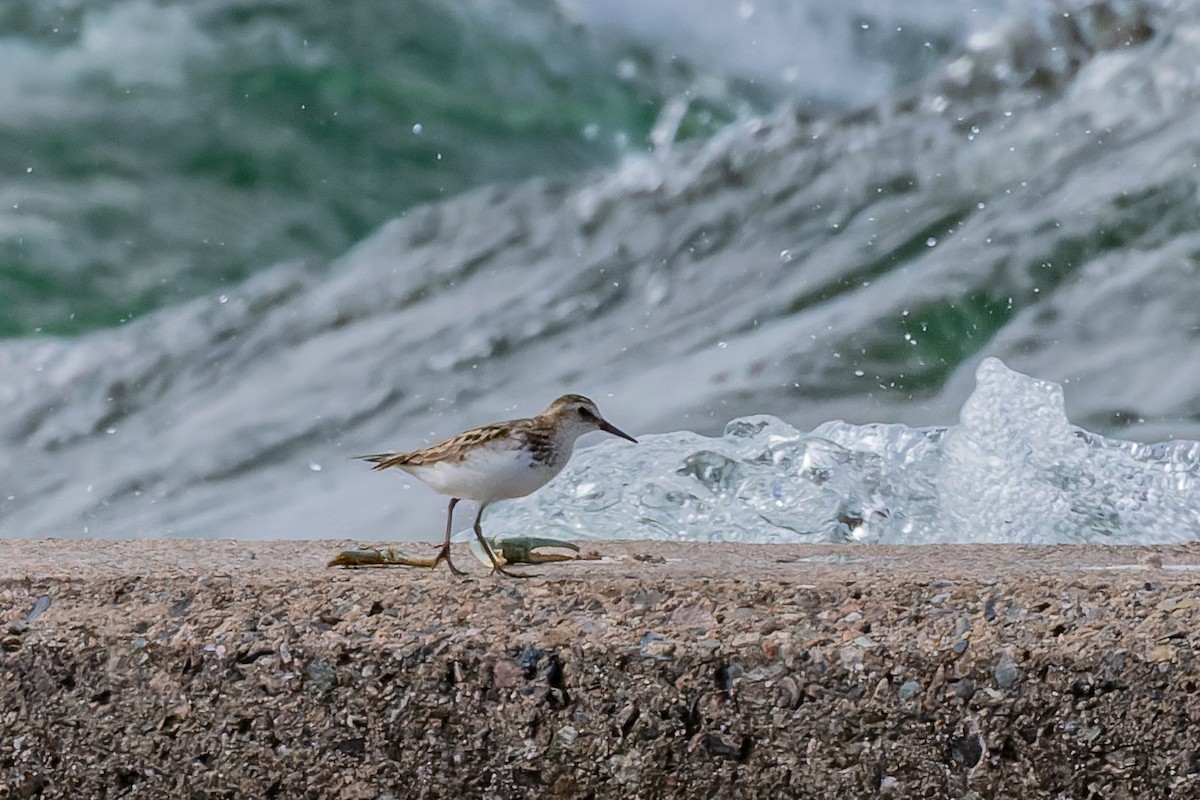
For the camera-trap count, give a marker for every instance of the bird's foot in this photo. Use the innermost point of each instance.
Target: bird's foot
(444, 555)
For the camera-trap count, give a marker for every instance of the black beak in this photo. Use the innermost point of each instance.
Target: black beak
(608, 427)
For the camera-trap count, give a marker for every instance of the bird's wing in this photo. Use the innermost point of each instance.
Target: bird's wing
(453, 449)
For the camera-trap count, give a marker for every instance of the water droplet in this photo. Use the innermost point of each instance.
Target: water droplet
(931, 242)
(314, 466)
(859, 373)
(223, 299)
(418, 128)
(785, 255)
(722, 345)
(110, 431)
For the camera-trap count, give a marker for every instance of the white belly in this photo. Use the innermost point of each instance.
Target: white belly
(486, 475)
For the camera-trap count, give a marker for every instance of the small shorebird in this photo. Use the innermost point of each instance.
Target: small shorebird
(500, 461)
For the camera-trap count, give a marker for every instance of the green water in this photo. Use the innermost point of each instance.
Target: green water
(156, 152)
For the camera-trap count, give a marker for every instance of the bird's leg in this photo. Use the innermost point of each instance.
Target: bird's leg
(496, 567)
(444, 553)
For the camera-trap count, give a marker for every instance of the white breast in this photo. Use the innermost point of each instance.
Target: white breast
(486, 474)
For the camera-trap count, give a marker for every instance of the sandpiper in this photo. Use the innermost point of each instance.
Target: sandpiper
(500, 461)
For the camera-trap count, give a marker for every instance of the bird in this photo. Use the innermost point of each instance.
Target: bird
(500, 461)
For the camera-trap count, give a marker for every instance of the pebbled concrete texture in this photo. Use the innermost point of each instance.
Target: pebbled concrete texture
(249, 669)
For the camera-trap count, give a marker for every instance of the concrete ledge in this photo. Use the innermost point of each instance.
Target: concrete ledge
(223, 669)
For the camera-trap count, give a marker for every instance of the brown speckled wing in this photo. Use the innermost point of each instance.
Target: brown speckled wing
(452, 449)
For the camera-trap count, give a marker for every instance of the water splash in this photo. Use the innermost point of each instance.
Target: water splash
(1014, 470)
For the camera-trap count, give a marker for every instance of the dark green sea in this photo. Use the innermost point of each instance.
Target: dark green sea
(155, 151)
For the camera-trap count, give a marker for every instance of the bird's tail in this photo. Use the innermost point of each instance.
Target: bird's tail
(385, 460)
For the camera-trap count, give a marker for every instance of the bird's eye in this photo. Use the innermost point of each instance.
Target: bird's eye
(583, 412)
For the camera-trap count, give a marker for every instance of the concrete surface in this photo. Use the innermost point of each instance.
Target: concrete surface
(233, 669)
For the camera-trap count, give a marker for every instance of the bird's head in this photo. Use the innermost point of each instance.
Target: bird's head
(578, 415)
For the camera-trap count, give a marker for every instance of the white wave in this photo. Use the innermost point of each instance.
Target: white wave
(1013, 471)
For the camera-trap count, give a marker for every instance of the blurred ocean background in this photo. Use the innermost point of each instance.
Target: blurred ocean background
(241, 241)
